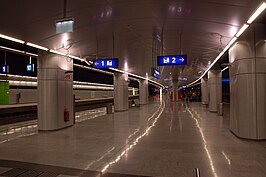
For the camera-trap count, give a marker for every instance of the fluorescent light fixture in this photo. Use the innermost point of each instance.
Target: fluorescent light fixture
(257, 13)
(232, 41)
(56, 52)
(10, 49)
(37, 46)
(12, 39)
(225, 68)
(137, 76)
(226, 48)
(74, 57)
(88, 63)
(32, 54)
(93, 69)
(244, 27)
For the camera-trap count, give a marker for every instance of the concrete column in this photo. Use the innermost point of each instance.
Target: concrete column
(143, 91)
(120, 92)
(55, 91)
(175, 91)
(248, 84)
(215, 89)
(204, 91)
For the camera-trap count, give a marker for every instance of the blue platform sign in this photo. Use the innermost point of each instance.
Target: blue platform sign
(171, 60)
(5, 69)
(155, 73)
(105, 63)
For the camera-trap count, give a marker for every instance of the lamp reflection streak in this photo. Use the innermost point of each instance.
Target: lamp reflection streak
(98, 160)
(227, 159)
(135, 142)
(204, 142)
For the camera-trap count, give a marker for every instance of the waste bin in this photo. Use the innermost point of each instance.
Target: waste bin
(220, 109)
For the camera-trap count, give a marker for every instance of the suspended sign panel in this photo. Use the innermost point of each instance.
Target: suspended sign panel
(105, 63)
(171, 60)
(5, 69)
(64, 25)
(30, 67)
(155, 73)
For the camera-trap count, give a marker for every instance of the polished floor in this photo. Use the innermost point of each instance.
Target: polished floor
(160, 139)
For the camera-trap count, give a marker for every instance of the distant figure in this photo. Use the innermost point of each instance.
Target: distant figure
(18, 96)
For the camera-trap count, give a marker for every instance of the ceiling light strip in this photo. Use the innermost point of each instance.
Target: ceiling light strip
(37, 46)
(257, 13)
(57, 52)
(137, 76)
(18, 51)
(244, 27)
(238, 34)
(74, 57)
(13, 50)
(11, 39)
(93, 69)
(225, 68)
(34, 46)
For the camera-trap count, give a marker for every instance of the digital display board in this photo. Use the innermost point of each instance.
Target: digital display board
(5, 69)
(169, 60)
(105, 63)
(155, 73)
(30, 67)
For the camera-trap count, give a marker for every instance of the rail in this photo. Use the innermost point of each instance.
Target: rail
(23, 112)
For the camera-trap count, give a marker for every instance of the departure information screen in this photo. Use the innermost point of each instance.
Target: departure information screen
(105, 63)
(155, 73)
(171, 60)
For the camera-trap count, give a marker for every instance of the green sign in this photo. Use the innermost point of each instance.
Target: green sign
(30, 67)
(4, 92)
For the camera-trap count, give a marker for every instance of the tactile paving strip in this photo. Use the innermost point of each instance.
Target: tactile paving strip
(24, 169)
(30, 173)
(48, 174)
(13, 172)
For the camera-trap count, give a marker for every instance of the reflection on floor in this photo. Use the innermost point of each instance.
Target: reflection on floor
(17, 130)
(159, 139)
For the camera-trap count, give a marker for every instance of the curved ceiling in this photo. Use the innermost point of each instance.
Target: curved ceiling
(135, 31)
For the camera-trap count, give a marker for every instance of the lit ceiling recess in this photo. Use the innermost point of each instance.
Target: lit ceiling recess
(253, 17)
